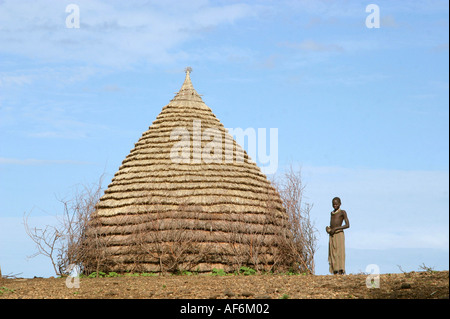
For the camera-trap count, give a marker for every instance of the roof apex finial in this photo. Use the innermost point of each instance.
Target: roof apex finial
(188, 69)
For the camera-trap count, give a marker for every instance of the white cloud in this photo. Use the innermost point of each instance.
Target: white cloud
(327, 8)
(61, 75)
(7, 80)
(111, 33)
(50, 116)
(314, 46)
(356, 9)
(33, 161)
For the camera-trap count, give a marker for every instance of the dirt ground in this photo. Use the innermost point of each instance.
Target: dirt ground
(413, 285)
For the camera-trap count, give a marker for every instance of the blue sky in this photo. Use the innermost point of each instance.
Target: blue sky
(363, 112)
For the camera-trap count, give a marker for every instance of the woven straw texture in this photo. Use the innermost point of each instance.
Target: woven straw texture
(200, 212)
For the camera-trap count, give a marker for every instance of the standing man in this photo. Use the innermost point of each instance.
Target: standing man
(336, 246)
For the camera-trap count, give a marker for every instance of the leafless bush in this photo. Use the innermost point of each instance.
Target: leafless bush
(299, 241)
(182, 239)
(64, 243)
(46, 240)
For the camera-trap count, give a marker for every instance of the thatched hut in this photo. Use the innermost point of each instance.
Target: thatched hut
(174, 206)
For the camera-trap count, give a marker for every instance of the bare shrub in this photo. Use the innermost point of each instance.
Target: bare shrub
(46, 240)
(181, 239)
(64, 243)
(299, 241)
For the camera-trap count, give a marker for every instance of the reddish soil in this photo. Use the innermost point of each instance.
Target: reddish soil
(413, 285)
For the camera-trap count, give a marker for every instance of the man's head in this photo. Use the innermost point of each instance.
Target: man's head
(336, 203)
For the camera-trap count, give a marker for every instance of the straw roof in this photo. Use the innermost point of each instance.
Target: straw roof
(195, 210)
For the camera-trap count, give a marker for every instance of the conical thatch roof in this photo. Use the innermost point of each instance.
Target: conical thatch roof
(173, 205)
